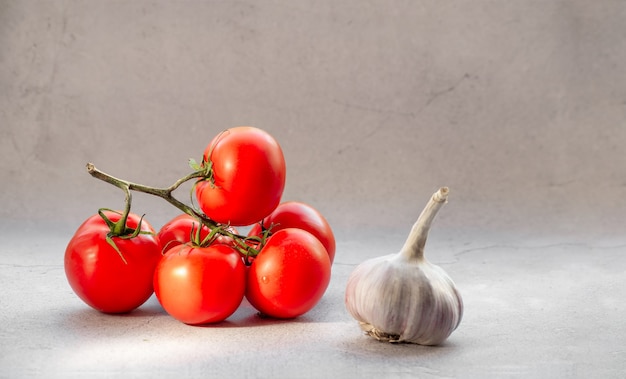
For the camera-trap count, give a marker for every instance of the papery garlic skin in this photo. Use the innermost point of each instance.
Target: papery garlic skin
(403, 297)
(395, 311)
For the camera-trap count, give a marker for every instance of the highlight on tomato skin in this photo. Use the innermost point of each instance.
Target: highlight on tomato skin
(289, 276)
(200, 285)
(295, 214)
(247, 176)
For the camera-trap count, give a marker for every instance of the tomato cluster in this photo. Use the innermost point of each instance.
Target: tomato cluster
(198, 265)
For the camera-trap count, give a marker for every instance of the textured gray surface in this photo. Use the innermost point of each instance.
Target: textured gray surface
(518, 107)
(540, 309)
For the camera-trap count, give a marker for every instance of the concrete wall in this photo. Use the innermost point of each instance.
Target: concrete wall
(518, 106)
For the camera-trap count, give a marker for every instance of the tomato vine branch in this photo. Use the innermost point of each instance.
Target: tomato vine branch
(167, 194)
(164, 193)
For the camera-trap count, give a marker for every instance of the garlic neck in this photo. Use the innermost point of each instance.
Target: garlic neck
(413, 248)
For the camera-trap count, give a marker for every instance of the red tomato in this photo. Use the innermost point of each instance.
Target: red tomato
(248, 177)
(97, 272)
(179, 230)
(293, 214)
(290, 274)
(200, 285)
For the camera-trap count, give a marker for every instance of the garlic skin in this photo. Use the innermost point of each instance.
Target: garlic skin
(402, 297)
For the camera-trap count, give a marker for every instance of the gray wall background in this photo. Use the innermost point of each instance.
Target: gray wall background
(518, 106)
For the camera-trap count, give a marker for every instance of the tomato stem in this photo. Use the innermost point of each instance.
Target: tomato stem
(167, 194)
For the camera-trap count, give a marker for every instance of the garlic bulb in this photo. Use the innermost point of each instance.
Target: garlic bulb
(402, 297)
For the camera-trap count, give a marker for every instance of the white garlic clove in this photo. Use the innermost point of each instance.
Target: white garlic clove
(402, 297)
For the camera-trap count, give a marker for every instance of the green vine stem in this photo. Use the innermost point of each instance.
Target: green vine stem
(167, 195)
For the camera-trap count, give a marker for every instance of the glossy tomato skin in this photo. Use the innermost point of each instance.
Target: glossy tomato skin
(200, 285)
(249, 176)
(179, 230)
(295, 214)
(290, 274)
(97, 273)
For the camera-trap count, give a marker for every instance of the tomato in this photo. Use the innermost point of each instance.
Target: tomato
(178, 231)
(289, 275)
(293, 214)
(182, 228)
(200, 285)
(248, 176)
(108, 280)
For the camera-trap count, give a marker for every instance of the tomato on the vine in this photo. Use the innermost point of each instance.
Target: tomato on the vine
(110, 280)
(290, 274)
(183, 229)
(246, 176)
(200, 285)
(294, 214)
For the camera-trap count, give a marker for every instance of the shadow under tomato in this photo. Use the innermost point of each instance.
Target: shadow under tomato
(247, 316)
(150, 308)
(85, 317)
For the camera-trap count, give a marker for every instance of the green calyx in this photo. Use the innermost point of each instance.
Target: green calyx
(119, 229)
(252, 249)
(204, 170)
